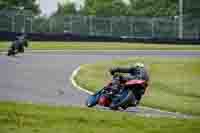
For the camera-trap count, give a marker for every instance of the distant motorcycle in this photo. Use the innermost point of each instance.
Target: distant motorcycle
(118, 94)
(17, 46)
(12, 51)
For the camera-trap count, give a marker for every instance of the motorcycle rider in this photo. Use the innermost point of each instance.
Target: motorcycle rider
(19, 44)
(137, 71)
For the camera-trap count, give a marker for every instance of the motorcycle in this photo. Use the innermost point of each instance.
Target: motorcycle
(17, 47)
(118, 93)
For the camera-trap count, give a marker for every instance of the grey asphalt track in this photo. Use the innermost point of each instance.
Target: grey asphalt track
(44, 77)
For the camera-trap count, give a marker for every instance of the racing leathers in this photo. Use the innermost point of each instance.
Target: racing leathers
(139, 73)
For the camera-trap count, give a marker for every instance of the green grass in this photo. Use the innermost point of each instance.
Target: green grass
(174, 81)
(101, 46)
(28, 118)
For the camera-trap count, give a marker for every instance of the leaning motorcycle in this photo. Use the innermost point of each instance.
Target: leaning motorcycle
(118, 93)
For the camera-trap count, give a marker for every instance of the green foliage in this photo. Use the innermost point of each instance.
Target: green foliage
(105, 8)
(23, 118)
(66, 8)
(120, 8)
(40, 24)
(20, 5)
(132, 8)
(153, 7)
(192, 8)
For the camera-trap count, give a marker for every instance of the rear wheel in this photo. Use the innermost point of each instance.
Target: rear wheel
(10, 52)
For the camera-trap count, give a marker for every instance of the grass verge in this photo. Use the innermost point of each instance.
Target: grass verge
(23, 118)
(174, 81)
(101, 46)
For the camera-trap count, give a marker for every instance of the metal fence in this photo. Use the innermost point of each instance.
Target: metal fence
(15, 21)
(133, 27)
(127, 27)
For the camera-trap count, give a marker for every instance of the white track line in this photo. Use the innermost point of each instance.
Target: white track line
(75, 72)
(74, 82)
(72, 79)
(49, 51)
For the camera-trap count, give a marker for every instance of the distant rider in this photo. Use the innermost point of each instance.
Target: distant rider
(18, 45)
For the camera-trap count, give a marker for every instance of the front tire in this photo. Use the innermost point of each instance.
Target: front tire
(10, 52)
(91, 101)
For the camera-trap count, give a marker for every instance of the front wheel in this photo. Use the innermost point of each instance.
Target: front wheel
(10, 52)
(91, 101)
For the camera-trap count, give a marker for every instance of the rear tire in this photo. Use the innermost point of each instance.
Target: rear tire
(10, 52)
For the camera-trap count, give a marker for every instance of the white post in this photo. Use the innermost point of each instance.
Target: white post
(71, 24)
(91, 26)
(31, 27)
(111, 26)
(51, 25)
(13, 23)
(24, 27)
(55, 25)
(196, 34)
(131, 27)
(152, 28)
(180, 19)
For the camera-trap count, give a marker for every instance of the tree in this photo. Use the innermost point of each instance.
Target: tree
(134, 8)
(20, 5)
(104, 8)
(191, 8)
(57, 19)
(119, 8)
(153, 8)
(41, 24)
(66, 8)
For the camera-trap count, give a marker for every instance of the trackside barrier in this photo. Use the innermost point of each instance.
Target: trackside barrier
(9, 36)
